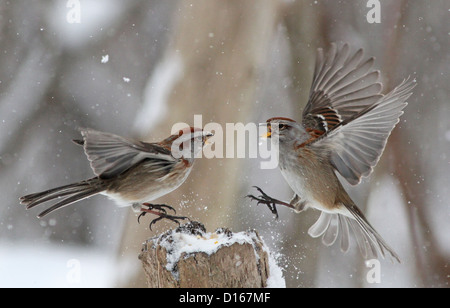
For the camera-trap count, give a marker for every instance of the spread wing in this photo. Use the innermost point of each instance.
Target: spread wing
(346, 112)
(357, 143)
(343, 85)
(111, 155)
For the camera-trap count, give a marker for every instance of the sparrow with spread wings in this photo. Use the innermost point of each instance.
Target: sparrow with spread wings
(344, 129)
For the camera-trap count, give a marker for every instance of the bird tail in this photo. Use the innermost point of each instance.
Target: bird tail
(74, 192)
(370, 243)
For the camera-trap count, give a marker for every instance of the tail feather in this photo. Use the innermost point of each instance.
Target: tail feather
(376, 242)
(34, 199)
(52, 196)
(75, 192)
(365, 242)
(329, 226)
(67, 201)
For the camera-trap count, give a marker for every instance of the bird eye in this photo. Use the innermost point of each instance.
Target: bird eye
(282, 126)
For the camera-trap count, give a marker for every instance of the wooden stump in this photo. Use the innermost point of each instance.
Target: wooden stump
(188, 257)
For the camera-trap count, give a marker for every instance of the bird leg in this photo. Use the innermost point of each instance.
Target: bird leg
(297, 204)
(160, 210)
(269, 201)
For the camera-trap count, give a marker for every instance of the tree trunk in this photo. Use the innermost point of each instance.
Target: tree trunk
(188, 257)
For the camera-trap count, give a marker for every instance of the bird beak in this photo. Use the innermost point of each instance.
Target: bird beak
(207, 136)
(269, 131)
(266, 135)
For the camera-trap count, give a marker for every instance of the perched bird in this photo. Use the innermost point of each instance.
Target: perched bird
(130, 172)
(344, 129)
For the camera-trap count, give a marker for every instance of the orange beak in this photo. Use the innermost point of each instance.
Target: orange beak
(266, 135)
(269, 132)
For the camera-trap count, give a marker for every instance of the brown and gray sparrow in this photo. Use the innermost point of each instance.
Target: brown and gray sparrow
(130, 172)
(344, 129)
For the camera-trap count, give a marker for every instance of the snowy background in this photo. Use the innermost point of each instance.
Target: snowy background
(136, 67)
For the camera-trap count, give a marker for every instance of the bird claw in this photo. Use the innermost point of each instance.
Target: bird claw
(141, 215)
(161, 212)
(160, 207)
(169, 217)
(267, 200)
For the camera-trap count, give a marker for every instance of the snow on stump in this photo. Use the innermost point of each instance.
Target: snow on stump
(188, 257)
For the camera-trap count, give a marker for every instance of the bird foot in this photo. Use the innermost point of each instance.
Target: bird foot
(159, 207)
(267, 200)
(160, 211)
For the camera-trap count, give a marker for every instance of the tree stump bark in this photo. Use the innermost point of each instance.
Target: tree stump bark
(188, 257)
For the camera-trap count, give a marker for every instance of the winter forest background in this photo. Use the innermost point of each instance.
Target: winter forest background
(136, 67)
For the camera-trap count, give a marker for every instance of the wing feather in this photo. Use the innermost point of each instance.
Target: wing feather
(111, 155)
(342, 82)
(357, 145)
(347, 112)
